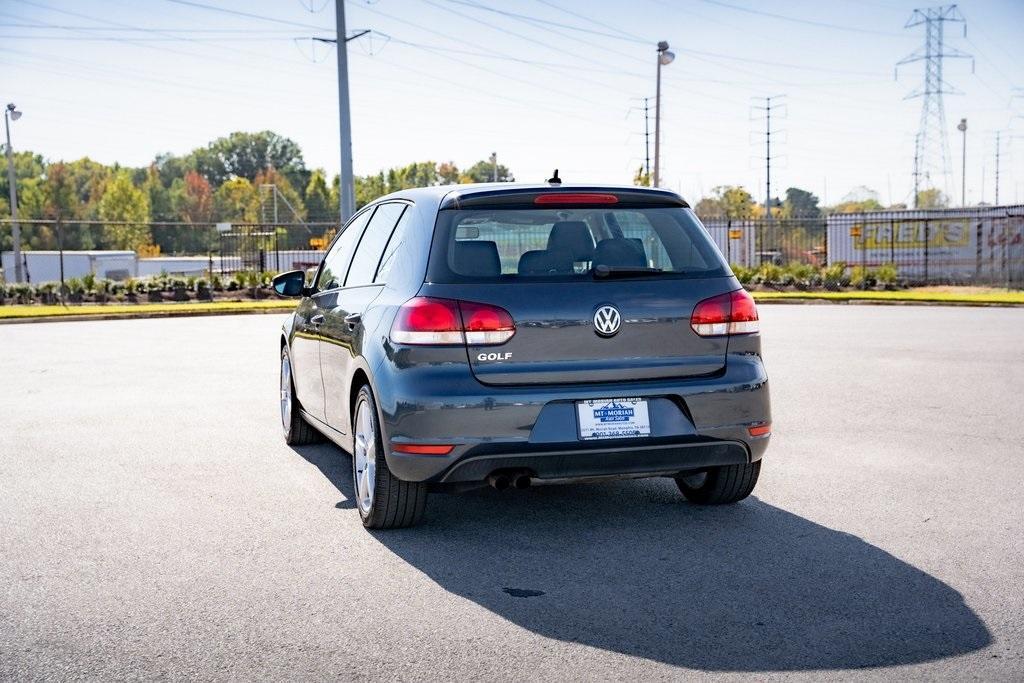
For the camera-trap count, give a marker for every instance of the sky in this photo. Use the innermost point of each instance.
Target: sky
(543, 83)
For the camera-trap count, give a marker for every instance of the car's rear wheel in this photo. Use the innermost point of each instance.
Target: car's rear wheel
(720, 485)
(383, 500)
(297, 431)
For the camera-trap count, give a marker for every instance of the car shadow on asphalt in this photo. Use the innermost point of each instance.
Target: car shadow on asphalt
(631, 568)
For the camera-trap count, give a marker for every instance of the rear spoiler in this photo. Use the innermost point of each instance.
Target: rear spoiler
(567, 197)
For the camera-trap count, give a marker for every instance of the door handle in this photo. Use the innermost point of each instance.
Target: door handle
(317, 319)
(353, 319)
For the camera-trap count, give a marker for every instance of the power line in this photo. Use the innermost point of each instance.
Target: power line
(250, 15)
(593, 21)
(798, 20)
(617, 35)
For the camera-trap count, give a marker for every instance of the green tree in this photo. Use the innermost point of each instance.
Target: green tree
(800, 204)
(246, 155)
(858, 200)
(236, 201)
(318, 198)
(727, 201)
(370, 187)
(932, 198)
(161, 208)
(483, 172)
(123, 202)
(288, 207)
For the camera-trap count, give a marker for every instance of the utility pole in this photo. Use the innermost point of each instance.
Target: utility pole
(767, 109)
(932, 146)
(346, 190)
(917, 167)
(494, 164)
(647, 141)
(998, 147)
(962, 127)
(665, 57)
(12, 114)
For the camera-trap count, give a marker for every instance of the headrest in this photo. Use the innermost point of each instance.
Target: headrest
(546, 262)
(476, 258)
(573, 236)
(621, 252)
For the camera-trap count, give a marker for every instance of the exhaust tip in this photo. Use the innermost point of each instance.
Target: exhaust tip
(499, 482)
(522, 481)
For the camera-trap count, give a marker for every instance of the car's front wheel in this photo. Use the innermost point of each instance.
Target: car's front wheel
(383, 500)
(720, 485)
(297, 431)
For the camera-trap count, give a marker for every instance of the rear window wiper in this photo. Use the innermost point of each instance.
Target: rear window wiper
(603, 271)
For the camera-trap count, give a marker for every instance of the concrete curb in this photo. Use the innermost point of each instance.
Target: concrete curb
(71, 317)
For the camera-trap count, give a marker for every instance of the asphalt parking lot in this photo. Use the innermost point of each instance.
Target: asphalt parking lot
(155, 525)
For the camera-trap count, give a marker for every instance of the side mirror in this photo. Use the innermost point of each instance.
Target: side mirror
(292, 283)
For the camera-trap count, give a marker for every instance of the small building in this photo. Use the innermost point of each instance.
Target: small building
(45, 266)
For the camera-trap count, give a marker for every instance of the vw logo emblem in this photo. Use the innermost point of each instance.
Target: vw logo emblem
(607, 321)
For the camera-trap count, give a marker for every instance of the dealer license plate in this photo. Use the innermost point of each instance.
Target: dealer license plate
(613, 418)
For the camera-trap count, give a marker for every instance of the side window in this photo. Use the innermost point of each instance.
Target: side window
(336, 261)
(388, 260)
(368, 253)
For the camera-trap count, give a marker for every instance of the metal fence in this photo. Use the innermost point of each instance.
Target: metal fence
(55, 250)
(983, 245)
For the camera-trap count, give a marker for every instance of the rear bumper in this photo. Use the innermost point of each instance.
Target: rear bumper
(695, 423)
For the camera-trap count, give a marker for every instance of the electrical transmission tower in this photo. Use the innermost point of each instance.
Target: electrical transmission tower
(770, 105)
(931, 151)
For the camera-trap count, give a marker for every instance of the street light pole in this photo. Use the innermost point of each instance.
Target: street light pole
(346, 190)
(664, 58)
(962, 127)
(10, 113)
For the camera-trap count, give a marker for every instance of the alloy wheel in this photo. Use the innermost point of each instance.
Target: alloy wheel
(365, 457)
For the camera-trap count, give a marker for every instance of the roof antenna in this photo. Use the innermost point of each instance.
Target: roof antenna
(555, 180)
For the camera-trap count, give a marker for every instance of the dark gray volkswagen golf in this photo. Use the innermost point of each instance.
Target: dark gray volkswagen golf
(510, 335)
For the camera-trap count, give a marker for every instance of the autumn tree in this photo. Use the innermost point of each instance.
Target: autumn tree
(123, 202)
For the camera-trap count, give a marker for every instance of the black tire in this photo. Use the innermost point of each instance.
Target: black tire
(721, 485)
(396, 503)
(297, 432)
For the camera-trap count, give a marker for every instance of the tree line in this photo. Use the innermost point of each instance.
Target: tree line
(241, 178)
(262, 178)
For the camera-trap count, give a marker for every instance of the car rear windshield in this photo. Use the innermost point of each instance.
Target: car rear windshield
(572, 244)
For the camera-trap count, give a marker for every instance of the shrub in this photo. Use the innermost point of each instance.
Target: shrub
(834, 276)
(74, 285)
(89, 282)
(802, 275)
(216, 283)
(887, 275)
(863, 277)
(769, 274)
(743, 274)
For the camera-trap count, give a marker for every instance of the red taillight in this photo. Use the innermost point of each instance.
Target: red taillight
(486, 324)
(732, 313)
(422, 448)
(425, 320)
(576, 198)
